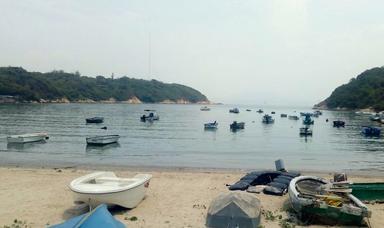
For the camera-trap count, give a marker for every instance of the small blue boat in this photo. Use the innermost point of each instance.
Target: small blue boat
(99, 217)
(307, 120)
(267, 119)
(211, 126)
(371, 131)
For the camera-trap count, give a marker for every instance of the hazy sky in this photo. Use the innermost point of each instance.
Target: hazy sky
(234, 51)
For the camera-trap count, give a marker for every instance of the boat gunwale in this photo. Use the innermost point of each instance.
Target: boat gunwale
(121, 189)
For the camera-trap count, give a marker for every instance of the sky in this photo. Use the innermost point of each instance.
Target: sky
(272, 52)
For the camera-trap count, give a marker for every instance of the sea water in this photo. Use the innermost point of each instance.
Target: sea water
(178, 139)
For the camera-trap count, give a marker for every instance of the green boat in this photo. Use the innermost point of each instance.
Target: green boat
(315, 205)
(368, 191)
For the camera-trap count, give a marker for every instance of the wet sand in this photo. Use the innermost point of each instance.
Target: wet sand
(175, 198)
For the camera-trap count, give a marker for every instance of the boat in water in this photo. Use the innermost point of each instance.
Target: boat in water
(307, 120)
(267, 119)
(338, 123)
(305, 131)
(105, 187)
(260, 111)
(211, 126)
(98, 217)
(248, 110)
(27, 138)
(236, 125)
(314, 199)
(371, 131)
(102, 140)
(205, 108)
(293, 117)
(150, 115)
(375, 117)
(96, 119)
(234, 110)
(283, 115)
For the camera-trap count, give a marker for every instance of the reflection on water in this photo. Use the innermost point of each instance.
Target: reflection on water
(94, 149)
(179, 138)
(24, 146)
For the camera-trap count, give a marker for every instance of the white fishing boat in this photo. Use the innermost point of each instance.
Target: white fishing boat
(105, 187)
(27, 138)
(102, 140)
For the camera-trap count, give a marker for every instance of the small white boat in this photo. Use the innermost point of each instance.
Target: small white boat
(26, 138)
(151, 116)
(102, 140)
(205, 108)
(105, 187)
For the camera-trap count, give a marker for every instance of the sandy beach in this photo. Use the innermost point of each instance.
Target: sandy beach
(176, 198)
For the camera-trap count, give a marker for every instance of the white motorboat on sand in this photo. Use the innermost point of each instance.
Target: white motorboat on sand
(106, 187)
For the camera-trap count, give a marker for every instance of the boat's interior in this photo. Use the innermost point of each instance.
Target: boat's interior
(108, 182)
(317, 189)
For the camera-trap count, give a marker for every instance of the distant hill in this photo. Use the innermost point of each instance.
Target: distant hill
(364, 91)
(59, 86)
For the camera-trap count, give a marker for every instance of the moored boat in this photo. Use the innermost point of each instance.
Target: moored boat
(211, 126)
(311, 200)
(260, 111)
(305, 131)
(375, 117)
(205, 108)
(234, 110)
(307, 120)
(150, 115)
(283, 115)
(371, 131)
(338, 123)
(105, 187)
(102, 140)
(293, 117)
(267, 119)
(27, 138)
(96, 119)
(236, 125)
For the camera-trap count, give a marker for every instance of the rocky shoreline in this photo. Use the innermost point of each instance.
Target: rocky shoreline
(64, 100)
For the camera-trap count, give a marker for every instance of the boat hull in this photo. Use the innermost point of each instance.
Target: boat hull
(102, 140)
(105, 187)
(28, 138)
(368, 191)
(129, 198)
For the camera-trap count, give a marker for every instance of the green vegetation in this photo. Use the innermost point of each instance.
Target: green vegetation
(35, 86)
(364, 91)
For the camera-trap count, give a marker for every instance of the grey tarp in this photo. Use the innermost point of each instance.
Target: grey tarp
(234, 210)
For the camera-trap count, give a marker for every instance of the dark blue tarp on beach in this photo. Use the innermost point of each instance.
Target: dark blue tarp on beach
(99, 217)
(277, 182)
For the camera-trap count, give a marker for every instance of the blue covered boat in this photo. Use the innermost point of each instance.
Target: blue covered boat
(371, 131)
(307, 120)
(267, 119)
(99, 217)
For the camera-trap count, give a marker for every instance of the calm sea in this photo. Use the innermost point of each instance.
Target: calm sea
(179, 140)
